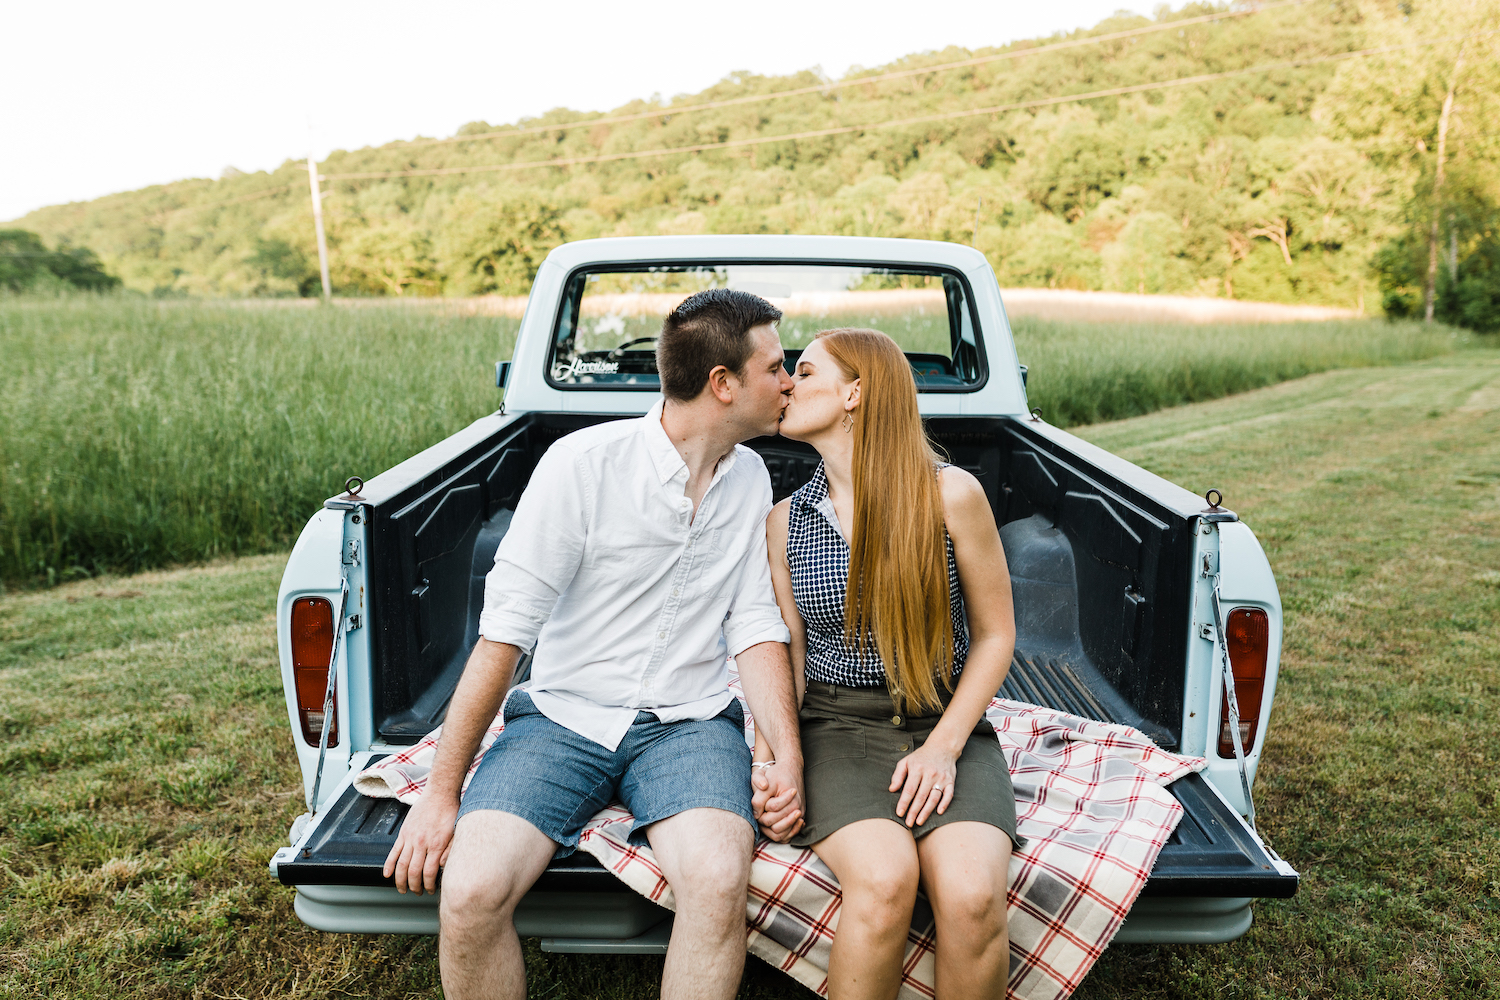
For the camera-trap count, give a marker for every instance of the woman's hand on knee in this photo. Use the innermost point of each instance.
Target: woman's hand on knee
(925, 779)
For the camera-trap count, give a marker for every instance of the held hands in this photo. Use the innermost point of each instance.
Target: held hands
(925, 779)
(776, 795)
(422, 847)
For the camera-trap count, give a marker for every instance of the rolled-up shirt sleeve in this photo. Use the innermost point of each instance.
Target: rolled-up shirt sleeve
(540, 553)
(754, 616)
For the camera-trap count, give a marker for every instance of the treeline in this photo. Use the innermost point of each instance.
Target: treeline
(1314, 181)
(27, 266)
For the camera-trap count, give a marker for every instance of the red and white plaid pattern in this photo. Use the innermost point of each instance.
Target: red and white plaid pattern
(1089, 799)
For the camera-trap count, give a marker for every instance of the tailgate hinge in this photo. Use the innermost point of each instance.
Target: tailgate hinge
(1215, 634)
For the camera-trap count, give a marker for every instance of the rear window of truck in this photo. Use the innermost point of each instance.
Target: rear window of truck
(605, 336)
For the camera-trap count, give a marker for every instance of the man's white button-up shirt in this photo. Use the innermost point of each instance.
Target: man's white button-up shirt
(627, 601)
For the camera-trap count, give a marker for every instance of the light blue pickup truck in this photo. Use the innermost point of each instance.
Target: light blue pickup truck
(1137, 600)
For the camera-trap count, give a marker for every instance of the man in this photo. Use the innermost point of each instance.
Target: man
(635, 561)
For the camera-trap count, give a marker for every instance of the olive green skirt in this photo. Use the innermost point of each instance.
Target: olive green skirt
(852, 739)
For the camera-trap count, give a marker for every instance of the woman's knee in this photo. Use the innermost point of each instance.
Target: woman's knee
(890, 885)
(975, 906)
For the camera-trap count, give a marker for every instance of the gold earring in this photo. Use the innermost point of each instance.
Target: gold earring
(848, 421)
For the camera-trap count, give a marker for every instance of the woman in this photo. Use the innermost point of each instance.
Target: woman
(905, 783)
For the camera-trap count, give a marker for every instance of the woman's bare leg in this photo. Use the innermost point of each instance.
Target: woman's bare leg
(876, 864)
(965, 872)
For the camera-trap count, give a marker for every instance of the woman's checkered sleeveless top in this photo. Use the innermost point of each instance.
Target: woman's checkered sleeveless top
(819, 559)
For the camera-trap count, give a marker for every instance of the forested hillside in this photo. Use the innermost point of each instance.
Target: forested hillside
(1311, 180)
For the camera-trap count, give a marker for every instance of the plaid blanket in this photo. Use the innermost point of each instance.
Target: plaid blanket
(1090, 799)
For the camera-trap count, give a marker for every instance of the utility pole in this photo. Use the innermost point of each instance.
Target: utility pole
(317, 205)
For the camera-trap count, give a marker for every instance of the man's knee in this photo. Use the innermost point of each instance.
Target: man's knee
(712, 888)
(495, 860)
(477, 897)
(705, 855)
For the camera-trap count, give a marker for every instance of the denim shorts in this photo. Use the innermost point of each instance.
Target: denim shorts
(557, 780)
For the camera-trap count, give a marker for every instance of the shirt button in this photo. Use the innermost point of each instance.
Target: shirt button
(895, 720)
(675, 591)
(905, 747)
(661, 635)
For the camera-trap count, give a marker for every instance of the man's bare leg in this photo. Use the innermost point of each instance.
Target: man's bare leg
(705, 856)
(496, 858)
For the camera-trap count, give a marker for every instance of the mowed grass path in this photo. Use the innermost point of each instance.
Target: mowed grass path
(1377, 497)
(149, 774)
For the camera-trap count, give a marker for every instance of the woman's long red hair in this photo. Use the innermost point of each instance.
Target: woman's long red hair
(898, 564)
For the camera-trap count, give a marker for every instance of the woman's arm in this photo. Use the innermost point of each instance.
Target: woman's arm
(984, 580)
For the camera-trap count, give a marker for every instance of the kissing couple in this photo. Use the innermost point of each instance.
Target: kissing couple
(869, 615)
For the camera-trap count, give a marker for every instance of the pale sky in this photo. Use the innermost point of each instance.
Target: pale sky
(104, 97)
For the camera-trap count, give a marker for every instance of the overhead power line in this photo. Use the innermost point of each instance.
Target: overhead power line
(1042, 102)
(823, 88)
(232, 201)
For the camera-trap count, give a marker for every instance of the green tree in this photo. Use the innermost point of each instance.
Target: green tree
(1278, 185)
(280, 265)
(27, 265)
(390, 259)
(1467, 289)
(497, 246)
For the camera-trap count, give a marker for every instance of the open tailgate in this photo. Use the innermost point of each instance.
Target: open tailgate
(1211, 854)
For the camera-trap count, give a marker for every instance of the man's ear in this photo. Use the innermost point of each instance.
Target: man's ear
(722, 384)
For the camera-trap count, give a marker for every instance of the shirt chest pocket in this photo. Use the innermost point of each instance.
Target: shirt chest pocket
(713, 574)
(639, 542)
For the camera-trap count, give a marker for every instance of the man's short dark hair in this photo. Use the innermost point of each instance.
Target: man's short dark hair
(708, 329)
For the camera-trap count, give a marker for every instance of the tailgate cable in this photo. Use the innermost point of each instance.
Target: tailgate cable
(350, 556)
(1232, 702)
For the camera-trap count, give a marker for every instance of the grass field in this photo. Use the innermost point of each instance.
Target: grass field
(139, 434)
(1083, 373)
(150, 776)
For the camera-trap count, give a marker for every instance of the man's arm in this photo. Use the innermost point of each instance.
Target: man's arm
(534, 564)
(766, 675)
(777, 525)
(421, 848)
(778, 803)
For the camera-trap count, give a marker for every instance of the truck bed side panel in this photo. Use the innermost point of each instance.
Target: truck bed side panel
(432, 540)
(422, 541)
(1133, 560)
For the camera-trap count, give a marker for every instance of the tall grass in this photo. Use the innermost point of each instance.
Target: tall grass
(1082, 373)
(136, 434)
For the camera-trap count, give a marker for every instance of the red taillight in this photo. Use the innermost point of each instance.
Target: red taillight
(312, 645)
(1247, 633)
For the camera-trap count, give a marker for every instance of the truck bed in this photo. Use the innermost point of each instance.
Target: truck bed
(1099, 571)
